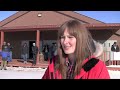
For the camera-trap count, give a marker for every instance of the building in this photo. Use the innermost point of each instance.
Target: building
(42, 27)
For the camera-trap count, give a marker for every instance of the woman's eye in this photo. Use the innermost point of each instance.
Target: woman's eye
(62, 37)
(71, 37)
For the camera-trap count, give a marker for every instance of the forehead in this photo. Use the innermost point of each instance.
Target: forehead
(66, 31)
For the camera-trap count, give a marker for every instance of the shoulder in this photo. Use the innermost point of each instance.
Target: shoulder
(98, 65)
(93, 63)
(100, 71)
(97, 71)
(90, 64)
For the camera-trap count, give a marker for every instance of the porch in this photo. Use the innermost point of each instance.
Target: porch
(20, 63)
(111, 60)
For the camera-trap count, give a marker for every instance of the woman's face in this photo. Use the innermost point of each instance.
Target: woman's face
(68, 43)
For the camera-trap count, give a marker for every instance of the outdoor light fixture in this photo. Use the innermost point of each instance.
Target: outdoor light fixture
(39, 14)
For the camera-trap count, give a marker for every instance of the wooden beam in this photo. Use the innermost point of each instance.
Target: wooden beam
(38, 44)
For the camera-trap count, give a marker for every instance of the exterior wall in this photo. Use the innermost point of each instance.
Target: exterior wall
(16, 38)
(49, 35)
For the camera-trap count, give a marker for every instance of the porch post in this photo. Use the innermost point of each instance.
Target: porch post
(38, 45)
(1, 43)
(2, 38)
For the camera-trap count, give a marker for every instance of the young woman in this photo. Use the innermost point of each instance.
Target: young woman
(77, 55)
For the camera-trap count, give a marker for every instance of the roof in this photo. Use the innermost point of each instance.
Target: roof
(71, 14)
(90, 23)
(27, 28)
(12, 17)
(81, 17)
(109, 26)
(113, 26)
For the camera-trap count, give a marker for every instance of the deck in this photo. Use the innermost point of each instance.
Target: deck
(114, 68)
(20, 63)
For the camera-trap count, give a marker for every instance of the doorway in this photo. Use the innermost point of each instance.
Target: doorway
(30, 49)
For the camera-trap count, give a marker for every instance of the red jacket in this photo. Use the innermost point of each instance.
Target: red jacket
(92, 69)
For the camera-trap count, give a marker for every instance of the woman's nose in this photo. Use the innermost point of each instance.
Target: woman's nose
(66, 40)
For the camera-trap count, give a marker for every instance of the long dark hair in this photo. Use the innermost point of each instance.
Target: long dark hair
(84, 46)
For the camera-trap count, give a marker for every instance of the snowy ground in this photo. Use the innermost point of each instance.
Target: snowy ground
(21, 73)
(114, 74)
(35, 73)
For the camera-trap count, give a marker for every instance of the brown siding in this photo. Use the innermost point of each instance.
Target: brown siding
(31, 19)
(49, 35)
(15, 39)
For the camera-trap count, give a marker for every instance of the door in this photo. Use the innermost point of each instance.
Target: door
(27, 42)
(30, 49)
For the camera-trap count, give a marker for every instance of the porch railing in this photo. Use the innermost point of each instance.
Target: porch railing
(110, 58)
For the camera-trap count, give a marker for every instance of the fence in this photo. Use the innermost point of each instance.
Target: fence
(110, 58)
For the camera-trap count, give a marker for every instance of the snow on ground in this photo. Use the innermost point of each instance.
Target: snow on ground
(114, 74)
(22, 73)
(36, 73)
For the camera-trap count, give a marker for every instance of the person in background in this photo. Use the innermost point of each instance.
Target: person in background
(10, 52)
(4, 56)
(54, 49)
(46, 51)
(24, 52)
(34, 51)
(76, 55)
(50, 52)
(115, 47)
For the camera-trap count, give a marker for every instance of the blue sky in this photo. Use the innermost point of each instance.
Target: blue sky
(104, 16)
(5, 14)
